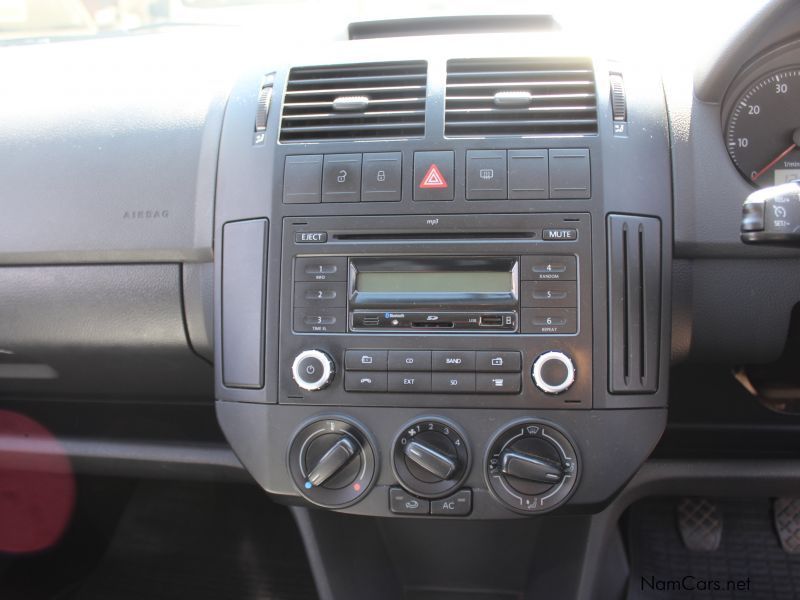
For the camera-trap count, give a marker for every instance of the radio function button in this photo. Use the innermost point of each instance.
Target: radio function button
(319, 320)
(550, 321)
(543, 294)
(486, 175)
(310, 237)
(341, 178)
(313, 370)
(320, 268)
(381, 177)
(498, 383)
(302, 179)
(528, 175)
(453, 383)
(409, 382)
(409, 360)
(562, 234)
(497, 362)
(548, 268)
(365, 360)
(445, 360)
(320, 294)
(365, 381)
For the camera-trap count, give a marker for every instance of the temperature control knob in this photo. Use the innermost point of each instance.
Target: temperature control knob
(553, 372)
(332, 462)
(313, 370)
(430, 458)
(532, 467)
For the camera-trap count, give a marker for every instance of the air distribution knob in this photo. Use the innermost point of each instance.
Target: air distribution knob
(332, 462)
(313, 370)
(532, 467)
(430, 458)
(553, 372)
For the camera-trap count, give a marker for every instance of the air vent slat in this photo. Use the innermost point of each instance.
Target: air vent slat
(377, 100)
(520, 97)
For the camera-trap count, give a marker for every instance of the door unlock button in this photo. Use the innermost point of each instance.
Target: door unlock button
(341, 178)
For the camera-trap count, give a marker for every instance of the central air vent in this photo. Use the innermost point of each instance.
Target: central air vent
(520, 96)
(346, 102)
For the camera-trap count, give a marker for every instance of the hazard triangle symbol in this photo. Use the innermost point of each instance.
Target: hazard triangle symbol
(433, 179)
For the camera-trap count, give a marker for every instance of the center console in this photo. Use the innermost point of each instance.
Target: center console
(417, 318)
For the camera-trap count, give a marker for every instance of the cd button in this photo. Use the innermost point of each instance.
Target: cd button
(444, 360)
(453, 383)
(409, 382)
(409, 360)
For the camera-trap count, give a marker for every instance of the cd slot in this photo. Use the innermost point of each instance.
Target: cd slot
(434, 237)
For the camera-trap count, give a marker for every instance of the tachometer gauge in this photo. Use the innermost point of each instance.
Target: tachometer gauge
(763, 129)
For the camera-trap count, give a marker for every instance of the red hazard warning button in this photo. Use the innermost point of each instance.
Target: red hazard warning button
(433, 175)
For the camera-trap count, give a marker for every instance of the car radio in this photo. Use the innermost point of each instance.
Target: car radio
(444, 310)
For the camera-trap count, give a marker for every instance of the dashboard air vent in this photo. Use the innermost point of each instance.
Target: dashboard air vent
(363, 101)
(520, 96)
(634, 303)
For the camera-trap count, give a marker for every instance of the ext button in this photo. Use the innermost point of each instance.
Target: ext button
(497, 362)
(341, 178)
(457, 505)
(364, 381)
(498, 383)
(444, 360)
(409, 382)
(403, 503)
(409, 360)
(365, 360)
(453, 383)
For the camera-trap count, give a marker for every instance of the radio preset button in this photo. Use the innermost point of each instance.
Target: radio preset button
(320, 268)
(364, 381)
(497, 362)
(320, 294)
(498, 383)
(365, 360)
(548, 268)
(445, 360)
(549, 293)
(409, 360)
(409, 382)
(319, 320)
(453, 383)
(553, 321)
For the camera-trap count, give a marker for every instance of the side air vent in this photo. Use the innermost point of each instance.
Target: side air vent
(526, 97)
(364, 101)
(634, 301)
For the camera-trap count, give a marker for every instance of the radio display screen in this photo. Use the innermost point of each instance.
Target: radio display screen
(436, 282)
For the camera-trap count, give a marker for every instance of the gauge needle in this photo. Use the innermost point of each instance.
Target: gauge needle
(773, 161)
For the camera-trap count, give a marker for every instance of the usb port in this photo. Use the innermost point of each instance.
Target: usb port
(491, 321)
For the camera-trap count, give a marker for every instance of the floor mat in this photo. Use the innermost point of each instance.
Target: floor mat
(199, 541)
(749, 563)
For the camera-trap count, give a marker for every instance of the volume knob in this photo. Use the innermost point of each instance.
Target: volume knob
(313, 370)
(553, 372)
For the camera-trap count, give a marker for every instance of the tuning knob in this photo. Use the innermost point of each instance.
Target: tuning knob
(332, 462)
(532, 467)
(430, 458)
(553, 372)
(313, 370)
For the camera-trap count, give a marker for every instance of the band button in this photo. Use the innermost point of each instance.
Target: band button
(445, 360)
